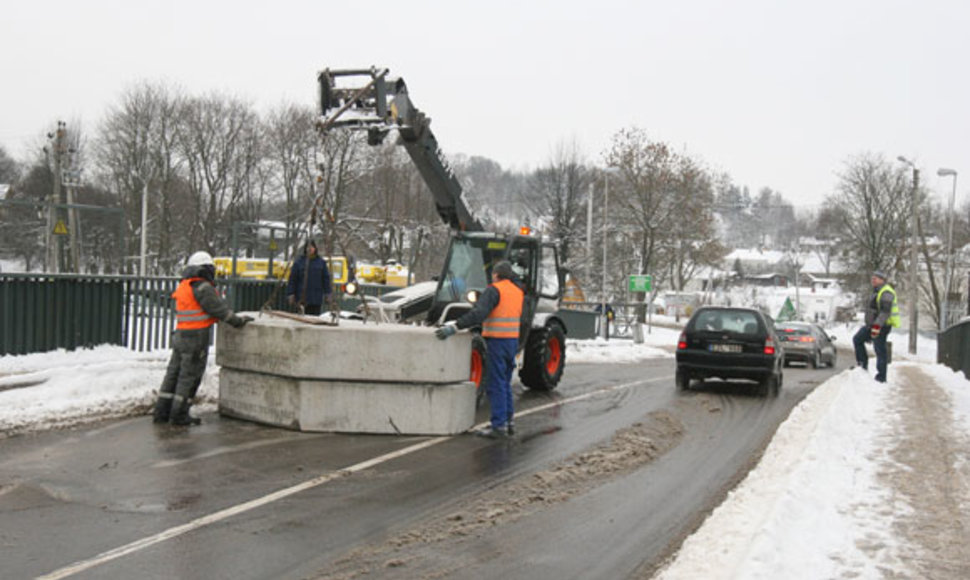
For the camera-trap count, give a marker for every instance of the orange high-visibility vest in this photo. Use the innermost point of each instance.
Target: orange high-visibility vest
(503, 320)
(188, 312)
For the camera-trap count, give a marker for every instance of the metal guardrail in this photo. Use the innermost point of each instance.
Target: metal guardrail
(43, 312)
(951, 347)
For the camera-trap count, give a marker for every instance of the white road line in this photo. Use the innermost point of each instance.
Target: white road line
(224, 450)
(218, 516)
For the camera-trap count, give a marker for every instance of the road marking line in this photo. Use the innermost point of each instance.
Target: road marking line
(224, 450)
(218, 516)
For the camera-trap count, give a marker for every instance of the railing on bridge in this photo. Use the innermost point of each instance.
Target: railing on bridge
(951, 347)
(43, 312)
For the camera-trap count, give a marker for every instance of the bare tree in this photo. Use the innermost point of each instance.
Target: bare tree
(135, 149)
(874, 199)
(22, 229)
(217, 137)
(292, 145)
(695, 243)
(645, 207)
(557, 192)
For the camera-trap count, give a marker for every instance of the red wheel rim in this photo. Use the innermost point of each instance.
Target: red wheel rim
(555, 356)
(476, 373)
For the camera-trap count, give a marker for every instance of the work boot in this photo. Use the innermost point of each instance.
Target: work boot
(180, 413)
(187, 421)
(163, 409)
(493, 432)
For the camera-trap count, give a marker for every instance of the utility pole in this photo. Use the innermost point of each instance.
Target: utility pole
(914, 291)
(913, 257)
(71, 182)
(55, 243)
(589, 235)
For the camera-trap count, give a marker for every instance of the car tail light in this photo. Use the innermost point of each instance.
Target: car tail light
(807, 339)
(769, 346)
(682, 341)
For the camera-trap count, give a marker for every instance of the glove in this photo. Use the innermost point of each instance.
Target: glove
(240, 321)
(446, 331)
(874, 330)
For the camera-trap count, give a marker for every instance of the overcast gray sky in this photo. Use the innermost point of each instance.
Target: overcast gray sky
(775, 93)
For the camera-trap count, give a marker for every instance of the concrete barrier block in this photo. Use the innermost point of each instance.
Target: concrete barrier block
(347, 407)
(351, 351)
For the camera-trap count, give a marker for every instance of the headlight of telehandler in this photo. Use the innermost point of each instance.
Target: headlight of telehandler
(472, 296)
(351, 288)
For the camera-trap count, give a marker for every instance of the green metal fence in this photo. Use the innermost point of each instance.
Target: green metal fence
(43, 312)
(951, 347)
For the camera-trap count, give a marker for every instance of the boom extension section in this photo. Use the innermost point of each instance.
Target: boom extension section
(380, 105)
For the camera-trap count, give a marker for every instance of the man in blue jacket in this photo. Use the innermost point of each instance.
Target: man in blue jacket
(309, 284)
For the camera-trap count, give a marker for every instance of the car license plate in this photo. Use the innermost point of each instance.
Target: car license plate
(725, 348)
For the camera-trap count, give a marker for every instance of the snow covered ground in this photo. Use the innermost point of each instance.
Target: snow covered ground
(822, 503)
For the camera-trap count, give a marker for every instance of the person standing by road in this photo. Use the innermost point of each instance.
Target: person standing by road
(197, 308)
(499, 311)
(315, 289)
(882, 315)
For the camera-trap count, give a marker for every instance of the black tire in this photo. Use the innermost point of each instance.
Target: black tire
(544, 358)
(769, 385)
(682, 379)
(817, 360)
(479, 352)
(832, 360)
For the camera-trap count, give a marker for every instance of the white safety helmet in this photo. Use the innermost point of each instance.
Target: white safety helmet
(201, 259)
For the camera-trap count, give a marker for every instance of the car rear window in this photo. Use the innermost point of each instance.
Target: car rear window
(742, 322)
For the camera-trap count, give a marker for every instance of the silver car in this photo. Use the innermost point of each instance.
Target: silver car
(807, 343)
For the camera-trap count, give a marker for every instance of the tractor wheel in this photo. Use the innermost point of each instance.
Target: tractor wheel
(478, 368)
(544, 358)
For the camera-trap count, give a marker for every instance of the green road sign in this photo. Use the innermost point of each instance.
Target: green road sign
(787, 311)
(640, 283)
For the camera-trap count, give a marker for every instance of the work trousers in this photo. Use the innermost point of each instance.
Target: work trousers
(499, 365)
(186, 368)
(878, 344)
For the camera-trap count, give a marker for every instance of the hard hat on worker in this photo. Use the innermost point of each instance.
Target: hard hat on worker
(201, 259)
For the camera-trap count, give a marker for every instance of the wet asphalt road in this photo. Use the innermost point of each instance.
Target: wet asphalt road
(126, 499)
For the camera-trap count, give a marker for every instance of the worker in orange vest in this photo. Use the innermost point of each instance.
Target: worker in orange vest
(499, 311)
(197, 308)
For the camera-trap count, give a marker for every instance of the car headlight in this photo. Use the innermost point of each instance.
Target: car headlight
(472, 296)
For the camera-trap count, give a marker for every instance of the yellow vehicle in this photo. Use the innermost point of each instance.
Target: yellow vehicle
(258, 268)
(391, 274)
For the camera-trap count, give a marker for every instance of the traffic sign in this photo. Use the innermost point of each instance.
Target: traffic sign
(640, 283)
(60, 229)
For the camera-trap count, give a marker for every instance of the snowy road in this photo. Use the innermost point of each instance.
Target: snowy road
(202, 504)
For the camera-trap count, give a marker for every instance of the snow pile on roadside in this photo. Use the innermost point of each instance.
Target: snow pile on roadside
(599, 350)
(814, 506)
(60, 388)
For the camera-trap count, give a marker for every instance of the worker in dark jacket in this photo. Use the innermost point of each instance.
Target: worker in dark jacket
(882, 315)
(315, 289)
(197, 308)
(499, 311)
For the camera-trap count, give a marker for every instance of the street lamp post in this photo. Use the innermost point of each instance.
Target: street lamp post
(945, 307)
(913, 291)
(589, 234)
(604, 325)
